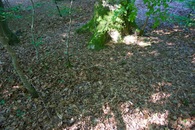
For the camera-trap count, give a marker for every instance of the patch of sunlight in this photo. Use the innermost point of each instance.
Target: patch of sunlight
(143, 44)
(136, 119)
(110, 122)
(193, 59)
(170, 43)
(64, 35)
(106, 122)
(131, 39)
(133, 119)
(115, 35)
(160, 85)
(5, 92)
(129, 54)
(155, 53)
(159, 31)
(158, 97)
(111, 7)
(16, 87)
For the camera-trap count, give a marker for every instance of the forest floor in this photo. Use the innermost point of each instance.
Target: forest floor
(132, 87)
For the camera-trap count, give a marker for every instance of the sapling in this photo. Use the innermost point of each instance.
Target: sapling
(33, 31)
(68, 64)
(55, 1)
(4, 41)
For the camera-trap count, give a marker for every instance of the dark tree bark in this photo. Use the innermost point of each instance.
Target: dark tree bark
(12, 38)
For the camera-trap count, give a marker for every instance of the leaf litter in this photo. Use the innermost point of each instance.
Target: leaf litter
(119, 87)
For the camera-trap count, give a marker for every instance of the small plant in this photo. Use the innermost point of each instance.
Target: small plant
(187, 20)
(19, 113)
(36, 5)
(158, 9)
(65, 11)
(2, 102)
(38, 42)
(11, 13)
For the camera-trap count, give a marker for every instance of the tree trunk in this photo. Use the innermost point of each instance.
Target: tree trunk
(12, 38)
(4, 41)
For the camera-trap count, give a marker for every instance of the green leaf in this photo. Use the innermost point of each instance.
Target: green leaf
(2, 102)
(19, 113)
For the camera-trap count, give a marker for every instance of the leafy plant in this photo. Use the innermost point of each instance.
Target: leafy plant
(36, 5)
(155, 9)
(19, 113)
(38, 42)
(11, 13)
(2, 102)
(182, 20)
(121, 18)
(65, 11)
(187, 20)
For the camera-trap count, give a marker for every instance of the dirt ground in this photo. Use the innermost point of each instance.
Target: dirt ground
(146, 86)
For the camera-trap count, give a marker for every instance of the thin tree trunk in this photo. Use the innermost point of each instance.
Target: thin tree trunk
(33, 31)
(4, 41)
(58, 8)
(12, 38)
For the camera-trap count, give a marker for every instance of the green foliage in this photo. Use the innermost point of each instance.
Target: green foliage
(155, 9)
(68, 64)
(98, 26)
(99, 14)
(188, 3)
(104, 20)
(122, 19)
(191, 4)
(187, 20)
(38, 42)
(97, 41)
(2, 102)
(127, 10)
(36, 5)
(19, 113)
(65, 11)
(182, 20)
(11, 13)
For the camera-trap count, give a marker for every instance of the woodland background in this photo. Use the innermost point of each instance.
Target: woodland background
(145, 82)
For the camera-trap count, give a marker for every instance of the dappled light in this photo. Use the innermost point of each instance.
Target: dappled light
(155, 98)
(193, 59)
(155, 53)
(130, 39)
(133, 118)
(134, 40)
(142, 119)
(143, 44)
(15, 87)
(139, 78)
